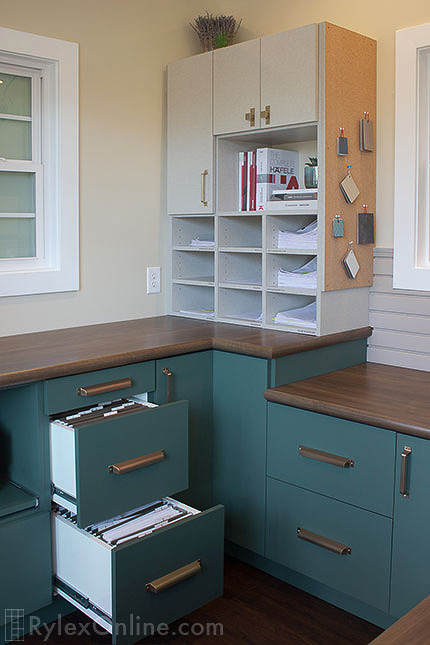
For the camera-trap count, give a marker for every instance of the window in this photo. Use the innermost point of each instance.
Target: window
(412, 160)
(38, 164)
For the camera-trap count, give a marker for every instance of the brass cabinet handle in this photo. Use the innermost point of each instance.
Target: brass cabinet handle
(173, 578)
(169, 375)
(265, 114)
(137, 462)
(325, 543)
(404, 471)
(326, 457)
(101, 388)
(250, 116)
(203, 199)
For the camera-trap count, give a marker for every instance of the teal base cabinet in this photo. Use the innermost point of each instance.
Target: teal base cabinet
(240, 446)
(191, 380)
(25, 564)
(359, 568)
(410, 581)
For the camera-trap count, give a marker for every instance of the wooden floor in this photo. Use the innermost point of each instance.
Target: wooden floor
(256, 609)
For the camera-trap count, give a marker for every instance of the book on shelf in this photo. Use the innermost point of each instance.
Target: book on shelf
(262, 171)
(276, 169)
(243, 181)
(305, 200)
(252, 180)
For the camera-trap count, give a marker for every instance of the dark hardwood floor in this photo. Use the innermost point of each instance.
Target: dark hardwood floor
(255, 609)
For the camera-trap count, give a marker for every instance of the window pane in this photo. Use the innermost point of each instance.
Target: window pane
(15, 94)
(17, 192)
(15, 139)
(17, 237)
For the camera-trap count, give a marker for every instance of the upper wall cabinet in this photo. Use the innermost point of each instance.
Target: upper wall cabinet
(189, 129)
(267, 82)
(289, 77)
(237, 87)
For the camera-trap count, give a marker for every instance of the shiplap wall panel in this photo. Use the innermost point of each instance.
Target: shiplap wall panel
(400, 318)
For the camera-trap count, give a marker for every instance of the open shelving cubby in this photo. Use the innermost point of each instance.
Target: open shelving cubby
(185, 229)
(240, 269)
(282, 302)
(194, 301)
(241, 306)
(193, 267)
(291, 262)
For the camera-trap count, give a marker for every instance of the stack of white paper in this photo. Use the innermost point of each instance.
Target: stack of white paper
(304, 276)
(254, 316)
(302, 316)
(304, 238)
(202, 313)
(205, 243)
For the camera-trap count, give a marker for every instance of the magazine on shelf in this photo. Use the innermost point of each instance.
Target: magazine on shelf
(276, 169)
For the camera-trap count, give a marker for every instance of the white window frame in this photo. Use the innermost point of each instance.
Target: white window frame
(55, 140)
(411, 269)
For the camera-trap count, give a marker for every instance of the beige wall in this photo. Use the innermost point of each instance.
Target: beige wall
(124, 48)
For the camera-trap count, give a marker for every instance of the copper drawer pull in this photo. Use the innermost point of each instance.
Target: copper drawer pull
(173, 578)
(325, 543)
(169, 375)
(101, 388)
(136, 463)
(326, 457)
(404, 471)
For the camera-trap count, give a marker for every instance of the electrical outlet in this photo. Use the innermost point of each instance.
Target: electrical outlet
(153, 280)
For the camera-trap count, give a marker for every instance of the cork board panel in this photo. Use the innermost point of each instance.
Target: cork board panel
(350, 90)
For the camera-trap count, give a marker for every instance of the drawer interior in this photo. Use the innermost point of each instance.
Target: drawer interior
(89, 563)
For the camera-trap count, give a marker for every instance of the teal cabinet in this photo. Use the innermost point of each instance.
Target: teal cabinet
(25, 562)
(191, 380)
(304, 448)
(410, 581)
(363, 572)
(240, 446)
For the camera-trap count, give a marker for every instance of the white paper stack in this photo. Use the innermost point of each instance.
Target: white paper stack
(304, 276)
(302, 316)
(205, 243)
(254, 316)
(304, 238)
(202, 313)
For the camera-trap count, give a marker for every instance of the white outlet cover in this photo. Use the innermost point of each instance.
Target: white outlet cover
(153, 280)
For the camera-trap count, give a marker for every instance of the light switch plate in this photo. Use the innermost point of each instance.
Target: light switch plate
(153, 280)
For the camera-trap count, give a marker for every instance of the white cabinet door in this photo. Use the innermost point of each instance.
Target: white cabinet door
(190, 162)
(289, 76)
(236, 87)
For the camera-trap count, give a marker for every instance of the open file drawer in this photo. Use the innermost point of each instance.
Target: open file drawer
(153, 578)
(118, 457)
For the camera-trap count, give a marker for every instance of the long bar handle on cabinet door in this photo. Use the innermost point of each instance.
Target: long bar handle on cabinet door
(265, 114)
(169, 375)
(173, 578)
(137, 462)
(325, 543)
(102, 388)
(404, 471)
(203, 199)
(326, 457)
(250, 116)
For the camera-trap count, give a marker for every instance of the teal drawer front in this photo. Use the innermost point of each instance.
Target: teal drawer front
(81, 460)
(198, 538)
(25, 567)
(151, 579)
(68, 393)
(363, 574)
(368, 484)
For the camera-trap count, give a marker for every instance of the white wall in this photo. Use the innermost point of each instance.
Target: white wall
(124, 48)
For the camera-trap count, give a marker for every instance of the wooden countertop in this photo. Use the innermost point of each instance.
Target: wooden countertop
(43, 355)
(381, 395)
(412, 629)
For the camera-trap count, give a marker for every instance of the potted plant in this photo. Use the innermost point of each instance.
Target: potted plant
(215, 31)
(311, 173)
